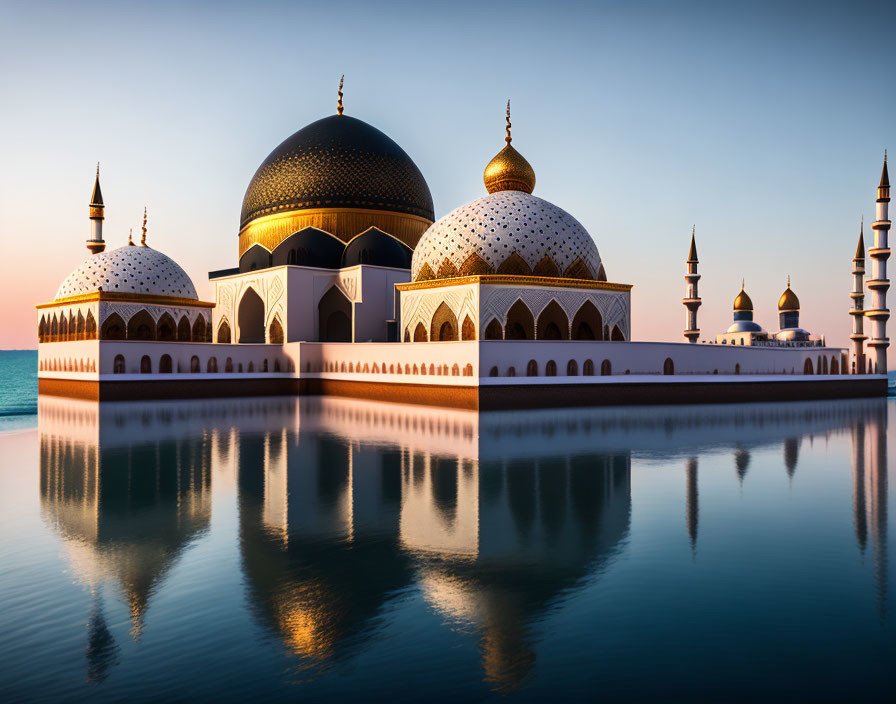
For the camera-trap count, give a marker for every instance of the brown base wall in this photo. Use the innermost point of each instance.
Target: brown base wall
(484, 398)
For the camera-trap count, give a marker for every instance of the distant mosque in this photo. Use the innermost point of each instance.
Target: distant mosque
(347, 285)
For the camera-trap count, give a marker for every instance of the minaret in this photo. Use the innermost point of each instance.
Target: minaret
(858, 336)
(96, 244)
(692, 302)
(878, 283)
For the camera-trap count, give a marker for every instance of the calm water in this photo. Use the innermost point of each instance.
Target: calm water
(18, 389)
(327, 549)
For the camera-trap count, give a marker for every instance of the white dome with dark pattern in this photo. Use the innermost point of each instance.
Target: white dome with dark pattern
(549, 241)
(129, 269)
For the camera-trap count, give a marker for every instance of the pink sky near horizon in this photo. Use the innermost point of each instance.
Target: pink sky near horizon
(764, 126)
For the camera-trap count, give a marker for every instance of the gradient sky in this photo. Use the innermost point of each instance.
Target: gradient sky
(764, 124)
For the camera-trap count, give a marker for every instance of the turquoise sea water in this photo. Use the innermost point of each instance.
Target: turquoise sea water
(18, 389)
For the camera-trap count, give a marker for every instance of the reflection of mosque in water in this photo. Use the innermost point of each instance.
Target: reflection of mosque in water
(345, 505)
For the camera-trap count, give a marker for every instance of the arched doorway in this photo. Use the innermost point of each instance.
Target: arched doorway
(90, 326)
(420, 333)
(468, 329)
(224, 333)
(166, 330)
(493, 330)
(118, 364)
(587, 323)
(444, 324)
(183, 329)
(275, 332)
(165, 364)
(552, 323)
(113, 328)
(199, 329)
(807, 366)
(250, 317)
(668, 367)
(334, 313)
(617, 335)
(141, 326)
(520, 323)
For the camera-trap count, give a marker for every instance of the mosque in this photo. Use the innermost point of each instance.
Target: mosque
(347, 285)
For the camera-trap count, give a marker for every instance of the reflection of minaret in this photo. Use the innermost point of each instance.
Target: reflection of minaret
(692, 499)
(877, 510)
(791, 455)
(102, 650)
(741, 462)
(858, 484)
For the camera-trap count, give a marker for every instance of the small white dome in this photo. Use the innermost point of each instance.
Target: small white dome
(129, 269)
(501, 223)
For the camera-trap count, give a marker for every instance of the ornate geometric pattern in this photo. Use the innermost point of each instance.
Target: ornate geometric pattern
(129, 269)
(499, 225)
(338, 161)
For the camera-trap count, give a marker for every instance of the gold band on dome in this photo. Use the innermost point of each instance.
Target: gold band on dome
(270, 230)
(511, 280)
(128, 297)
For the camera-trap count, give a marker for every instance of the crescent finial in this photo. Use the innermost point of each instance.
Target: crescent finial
(339, 107)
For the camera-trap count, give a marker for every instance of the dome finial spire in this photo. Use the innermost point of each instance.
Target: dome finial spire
(130, 236)
(143, 237)
(339, 108)
(508, 137)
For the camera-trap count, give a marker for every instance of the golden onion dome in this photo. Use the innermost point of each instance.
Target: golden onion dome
(509, 170)
(743, 301)
(788, 299)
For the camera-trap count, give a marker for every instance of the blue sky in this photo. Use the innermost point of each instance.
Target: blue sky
(763, 123)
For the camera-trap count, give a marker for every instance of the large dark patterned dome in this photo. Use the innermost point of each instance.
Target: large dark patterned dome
(337, 162)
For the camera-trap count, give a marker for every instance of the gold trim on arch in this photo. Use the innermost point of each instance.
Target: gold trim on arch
(512, 280)
(344, 223)
(127, 298)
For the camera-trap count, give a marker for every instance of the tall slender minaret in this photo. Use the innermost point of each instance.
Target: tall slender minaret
(858, 336)
(96, 244)
(879, 283)
(692, 302)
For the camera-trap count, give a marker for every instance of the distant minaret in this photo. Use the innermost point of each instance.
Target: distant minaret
(96, 244)
(878, 283)
(692, 302)
(858, 336)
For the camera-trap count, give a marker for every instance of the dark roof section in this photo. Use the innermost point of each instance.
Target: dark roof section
(692, 255)
(337, 162)
(375, 247)
(97, 197)
(310, 247)
(256, 257)
(220, 273)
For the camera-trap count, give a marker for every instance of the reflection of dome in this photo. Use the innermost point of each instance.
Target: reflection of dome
(788, 300)
(743, 301)
(129, 269)
(375, 247)
(482, 237)
(341, 163)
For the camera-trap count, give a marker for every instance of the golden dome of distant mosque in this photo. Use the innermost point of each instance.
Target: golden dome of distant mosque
(338, 174)
(788, 300)
(509, 231)
(743, 301)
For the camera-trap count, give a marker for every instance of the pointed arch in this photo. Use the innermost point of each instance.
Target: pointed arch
(250, 317)
(334, 316)
(166, 329)
(807, 366)
(90, 326)
(54, 329)
(275, 332)
(42, 329)
(474, 265)
(447, 270)
(547, 267)
(425, 273)
(587, 323)
(578, 270)
(494, 331)
(515, 265)
(552, 323)
(199, 327)
(520, 322)
(616, 335)
(63, 327)
(223, 332)
(420, 333)
(79, 327)
(113, 328)
(468, 329)
(141, 326)
(443, 326)
(183, 329)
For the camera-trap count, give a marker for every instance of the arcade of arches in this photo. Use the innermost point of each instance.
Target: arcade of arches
(140, 326)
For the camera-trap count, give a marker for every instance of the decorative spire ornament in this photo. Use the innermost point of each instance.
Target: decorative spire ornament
(130, 236)
(95, 243)
(143, 237)
(509, 170)
(508, 138)
(339, 108)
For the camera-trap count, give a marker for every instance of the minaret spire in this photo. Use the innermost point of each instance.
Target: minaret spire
(96, 244)
(857, 312)
(878, 284)
(508, 138)
(143, 237)
(130, 236)
(692, 301)
(339, 108)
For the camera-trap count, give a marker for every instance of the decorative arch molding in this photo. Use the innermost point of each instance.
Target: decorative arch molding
(444, 327)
